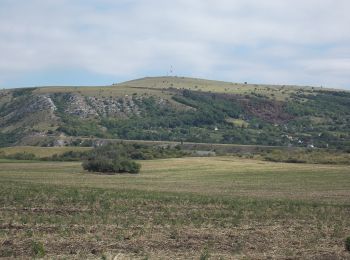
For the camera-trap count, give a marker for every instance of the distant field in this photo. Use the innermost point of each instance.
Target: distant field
(41, 151)
(189, 208)
(104, 91)
(274, 91)
(157, 86)
(220, 148)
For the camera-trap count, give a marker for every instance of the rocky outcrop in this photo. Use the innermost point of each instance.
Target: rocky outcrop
(77, 105)
(23, 108)
(117, 107)
(114, 106)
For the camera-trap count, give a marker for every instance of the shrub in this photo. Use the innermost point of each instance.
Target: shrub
(110, 159)
(111, 166)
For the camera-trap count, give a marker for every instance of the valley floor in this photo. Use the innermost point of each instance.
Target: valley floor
(187, 208)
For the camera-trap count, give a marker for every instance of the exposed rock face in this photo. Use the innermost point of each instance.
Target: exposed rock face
(85, 107)
(72, 104)
(38, 118)
(28, 107)
(50, 103)
(116, 107)
(120, 107)
(77, 105)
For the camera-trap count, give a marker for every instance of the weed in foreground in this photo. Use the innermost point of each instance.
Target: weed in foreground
(38, 249)
(205, 254)
(347, 244)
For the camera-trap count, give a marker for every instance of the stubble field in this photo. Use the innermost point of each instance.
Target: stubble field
(188, 208)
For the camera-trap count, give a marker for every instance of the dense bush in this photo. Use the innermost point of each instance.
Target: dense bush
(110, 159)
(111, 166)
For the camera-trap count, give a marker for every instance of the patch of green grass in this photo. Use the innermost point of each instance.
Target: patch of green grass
(238, 122)
(17, 161)
(279, 92)
(38, 249)
(42, 151)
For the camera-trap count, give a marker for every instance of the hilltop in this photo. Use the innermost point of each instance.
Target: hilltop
(177, 109)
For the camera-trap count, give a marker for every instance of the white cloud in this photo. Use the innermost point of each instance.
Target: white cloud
(289, 41)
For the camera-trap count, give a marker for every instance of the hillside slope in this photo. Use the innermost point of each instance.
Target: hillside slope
(178, 109)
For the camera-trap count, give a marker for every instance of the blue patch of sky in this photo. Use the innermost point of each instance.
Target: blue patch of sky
(61, 77)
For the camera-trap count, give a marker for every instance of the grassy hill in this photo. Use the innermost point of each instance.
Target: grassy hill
(273, 199)
(177, 109)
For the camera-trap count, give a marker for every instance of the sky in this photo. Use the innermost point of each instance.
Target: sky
(100, 42)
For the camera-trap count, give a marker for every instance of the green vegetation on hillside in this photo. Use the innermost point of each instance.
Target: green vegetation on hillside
(268, 122)
(199, 111)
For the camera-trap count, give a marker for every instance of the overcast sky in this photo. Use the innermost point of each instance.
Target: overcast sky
(99, 42)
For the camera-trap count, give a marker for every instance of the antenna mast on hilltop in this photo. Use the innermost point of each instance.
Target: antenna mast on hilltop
(171, 71)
